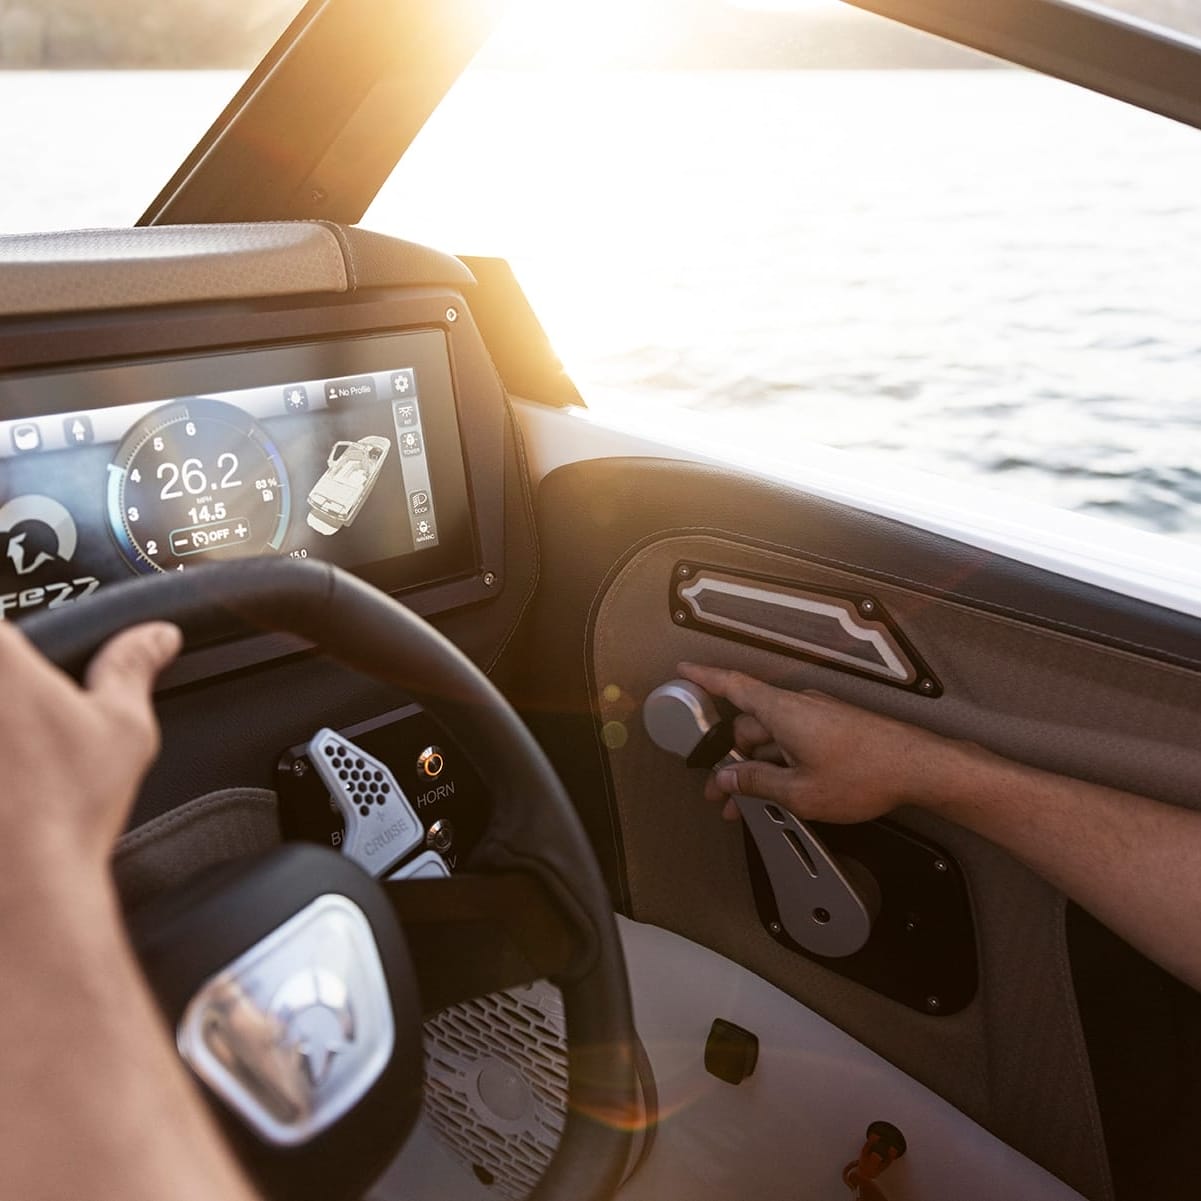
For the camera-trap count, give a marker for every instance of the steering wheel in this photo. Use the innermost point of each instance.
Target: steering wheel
(531, 903)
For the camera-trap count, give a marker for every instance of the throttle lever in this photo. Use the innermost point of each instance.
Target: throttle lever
(826, 904)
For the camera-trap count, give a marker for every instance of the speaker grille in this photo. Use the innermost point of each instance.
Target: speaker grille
(496, 1084)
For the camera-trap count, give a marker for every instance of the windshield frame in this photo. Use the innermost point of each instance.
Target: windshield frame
(1100, 49)
(320, 123)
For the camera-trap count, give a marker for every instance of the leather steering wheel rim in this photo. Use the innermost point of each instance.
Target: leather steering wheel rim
(369, 631)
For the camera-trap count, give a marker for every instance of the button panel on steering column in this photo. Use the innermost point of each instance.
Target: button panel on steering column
(381, 827)
(452, 807)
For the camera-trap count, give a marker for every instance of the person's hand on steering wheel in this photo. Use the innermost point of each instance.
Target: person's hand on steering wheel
(93, 1102)
(74, 756)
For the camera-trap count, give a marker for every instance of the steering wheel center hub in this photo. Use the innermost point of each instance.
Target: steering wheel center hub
(291, 1065)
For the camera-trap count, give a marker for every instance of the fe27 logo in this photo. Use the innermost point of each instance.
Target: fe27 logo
(52, 596)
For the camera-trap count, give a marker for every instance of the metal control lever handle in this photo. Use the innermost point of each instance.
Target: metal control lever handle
(826, 904)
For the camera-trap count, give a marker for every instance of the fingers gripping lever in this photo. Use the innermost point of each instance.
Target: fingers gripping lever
(826, 905)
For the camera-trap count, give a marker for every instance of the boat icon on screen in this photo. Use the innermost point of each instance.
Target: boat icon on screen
(339, 495)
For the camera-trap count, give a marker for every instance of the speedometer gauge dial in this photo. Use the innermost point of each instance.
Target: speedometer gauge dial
(193, 482)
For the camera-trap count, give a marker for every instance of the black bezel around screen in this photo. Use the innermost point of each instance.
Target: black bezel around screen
(385, 554)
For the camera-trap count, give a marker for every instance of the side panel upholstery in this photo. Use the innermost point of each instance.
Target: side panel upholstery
(1035, 666)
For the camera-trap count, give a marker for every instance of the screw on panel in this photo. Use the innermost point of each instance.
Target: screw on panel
(867, 606)
(933, 1004)
(300, 767)
(680, 617)
(940, 865)
(926, 686)
(775, 928)
(684, 572)
(489, 579)
(452, 315)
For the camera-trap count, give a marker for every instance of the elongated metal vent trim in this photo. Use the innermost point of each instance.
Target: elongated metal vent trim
(851, 633)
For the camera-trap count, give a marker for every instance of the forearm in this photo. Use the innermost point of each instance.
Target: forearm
(96, 1103)
(1133, 863)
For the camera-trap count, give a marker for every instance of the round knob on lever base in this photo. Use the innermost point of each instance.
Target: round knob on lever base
(825, 905)
(681, 717)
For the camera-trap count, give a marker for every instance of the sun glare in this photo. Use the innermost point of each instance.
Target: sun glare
(787, 6)
(584, 34)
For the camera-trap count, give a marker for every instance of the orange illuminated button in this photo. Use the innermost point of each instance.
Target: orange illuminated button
(430, 763)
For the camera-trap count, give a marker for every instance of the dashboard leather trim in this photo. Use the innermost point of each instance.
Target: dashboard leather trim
(120, 268)
(106, 269)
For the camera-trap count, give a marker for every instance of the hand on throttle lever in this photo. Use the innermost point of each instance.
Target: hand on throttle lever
(820, 758)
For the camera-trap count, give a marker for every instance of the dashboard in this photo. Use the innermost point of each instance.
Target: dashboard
(343, 407)
(346, 450)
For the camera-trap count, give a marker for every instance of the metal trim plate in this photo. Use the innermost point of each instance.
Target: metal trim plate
(295, 1031)
(862, 638)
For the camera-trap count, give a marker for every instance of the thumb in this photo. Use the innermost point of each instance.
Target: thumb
(768, 781)
(123, 672)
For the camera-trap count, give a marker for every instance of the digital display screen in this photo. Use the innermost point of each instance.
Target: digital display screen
(344, 451)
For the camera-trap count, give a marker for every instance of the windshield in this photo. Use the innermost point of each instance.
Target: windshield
(795, 224)
(102, 102)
